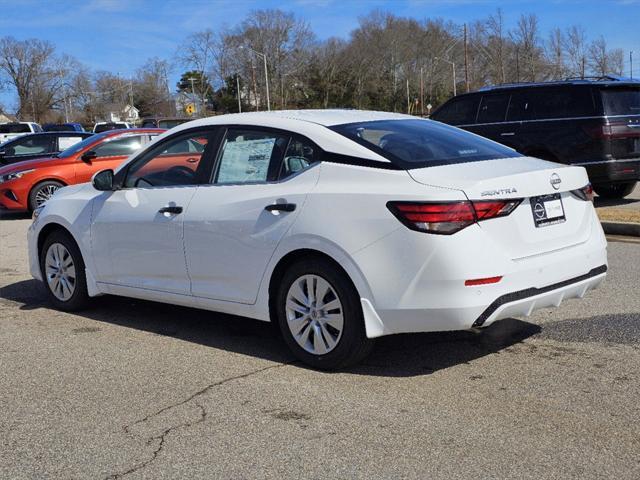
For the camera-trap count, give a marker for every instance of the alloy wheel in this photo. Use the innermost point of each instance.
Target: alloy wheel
(45, 193)
(60, 272)
(314, 314)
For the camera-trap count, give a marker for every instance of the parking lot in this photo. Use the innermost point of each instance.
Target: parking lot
(142, 390)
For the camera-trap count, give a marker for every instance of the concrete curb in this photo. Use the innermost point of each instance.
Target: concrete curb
(621, 228)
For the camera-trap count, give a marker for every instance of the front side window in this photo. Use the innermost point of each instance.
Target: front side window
(249, 156)
(423, 143)
(123, 146)
(459, 111)
(32, 145)
(178, 160)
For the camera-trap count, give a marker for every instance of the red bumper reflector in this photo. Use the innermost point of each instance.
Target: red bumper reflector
(482, 281)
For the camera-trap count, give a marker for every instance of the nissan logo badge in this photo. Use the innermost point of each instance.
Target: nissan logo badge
(555, 181)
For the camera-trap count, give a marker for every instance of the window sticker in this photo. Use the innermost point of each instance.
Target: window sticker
(246, 160)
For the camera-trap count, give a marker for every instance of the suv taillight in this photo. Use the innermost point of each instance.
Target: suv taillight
(614, 129)
(445, 218)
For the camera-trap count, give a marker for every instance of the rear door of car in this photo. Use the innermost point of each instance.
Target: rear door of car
(557, 123)
(235, 222)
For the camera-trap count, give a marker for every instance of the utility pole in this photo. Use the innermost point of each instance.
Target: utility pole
(408, 99)
(421, 91)
(466, 60)
(631, 64)
(238, 93)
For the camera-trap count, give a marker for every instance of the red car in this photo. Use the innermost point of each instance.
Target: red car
(26, 185)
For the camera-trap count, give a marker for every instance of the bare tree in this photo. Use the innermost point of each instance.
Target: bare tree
(603, 61)
(33, 69)
(576, 48)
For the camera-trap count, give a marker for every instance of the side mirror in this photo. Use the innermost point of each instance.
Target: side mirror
(88, 156)
(103, 181)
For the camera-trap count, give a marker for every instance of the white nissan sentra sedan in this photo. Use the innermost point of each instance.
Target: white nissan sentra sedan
(340, 225)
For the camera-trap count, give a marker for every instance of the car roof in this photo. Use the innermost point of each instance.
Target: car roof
(325, 117)
(607, 81)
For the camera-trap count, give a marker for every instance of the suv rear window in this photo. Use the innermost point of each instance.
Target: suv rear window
(15, 128)
(422, 143)
(621, 101)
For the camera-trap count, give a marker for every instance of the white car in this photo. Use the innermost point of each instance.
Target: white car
(15, 129)
(340, 225)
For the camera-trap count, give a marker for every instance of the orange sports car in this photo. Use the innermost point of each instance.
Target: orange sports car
(26, 185)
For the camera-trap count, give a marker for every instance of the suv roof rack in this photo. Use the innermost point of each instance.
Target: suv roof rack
(568, 80)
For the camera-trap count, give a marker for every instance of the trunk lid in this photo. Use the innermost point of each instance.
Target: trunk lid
(539, 183)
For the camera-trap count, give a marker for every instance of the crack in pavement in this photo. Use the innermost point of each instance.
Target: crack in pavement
(160, 439)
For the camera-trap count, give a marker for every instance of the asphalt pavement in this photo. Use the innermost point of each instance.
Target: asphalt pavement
(133, 389)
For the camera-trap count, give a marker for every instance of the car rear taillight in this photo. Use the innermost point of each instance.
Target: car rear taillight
(585, 193)
(614, 129)
(446, 218)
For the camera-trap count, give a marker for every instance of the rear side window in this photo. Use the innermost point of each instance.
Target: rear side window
(621, 101)
(14, 128)
(563, 102)
(248, 156)
(299, 155)
(493, 108)
(423, 143)
(32, 145)
(459, 111)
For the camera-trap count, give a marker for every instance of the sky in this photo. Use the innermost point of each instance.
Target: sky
(119, 35)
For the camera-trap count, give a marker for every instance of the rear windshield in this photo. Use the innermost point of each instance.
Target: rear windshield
(169, 123)
(109, 126)
(59, 128)
(621, 101)
(14, 128)
(423, 143)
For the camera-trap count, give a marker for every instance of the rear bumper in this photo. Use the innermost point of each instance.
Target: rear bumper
(613, 171)
(424, 291)
(523, 302)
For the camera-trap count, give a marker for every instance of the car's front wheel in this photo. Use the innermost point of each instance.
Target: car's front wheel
(43, 192)
(614, 190)
(63, 272)
(320, 316)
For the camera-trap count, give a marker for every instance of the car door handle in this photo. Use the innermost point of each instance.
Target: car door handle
(508, 134)
(171, 209)
(280, 207)
(192, 160)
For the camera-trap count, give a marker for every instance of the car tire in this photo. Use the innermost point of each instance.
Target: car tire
(63, 272)
(614, 191)
(42, 192)
(330, 331)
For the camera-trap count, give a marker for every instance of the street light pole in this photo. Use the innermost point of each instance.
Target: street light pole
(453, 66)
(266, 73)
(238, 93)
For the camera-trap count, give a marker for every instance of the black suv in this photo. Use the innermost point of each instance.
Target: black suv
(594, 123)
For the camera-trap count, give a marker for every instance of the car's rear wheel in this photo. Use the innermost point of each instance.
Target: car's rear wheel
(320, 316)
(43, 192)
(63, 272)
(614, 190)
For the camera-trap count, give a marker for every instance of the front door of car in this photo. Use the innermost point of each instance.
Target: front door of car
(235, 223)
(107, 155)
(137, 230)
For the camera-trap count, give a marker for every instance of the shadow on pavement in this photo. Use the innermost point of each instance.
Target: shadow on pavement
(8, 215)
(397, 356)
